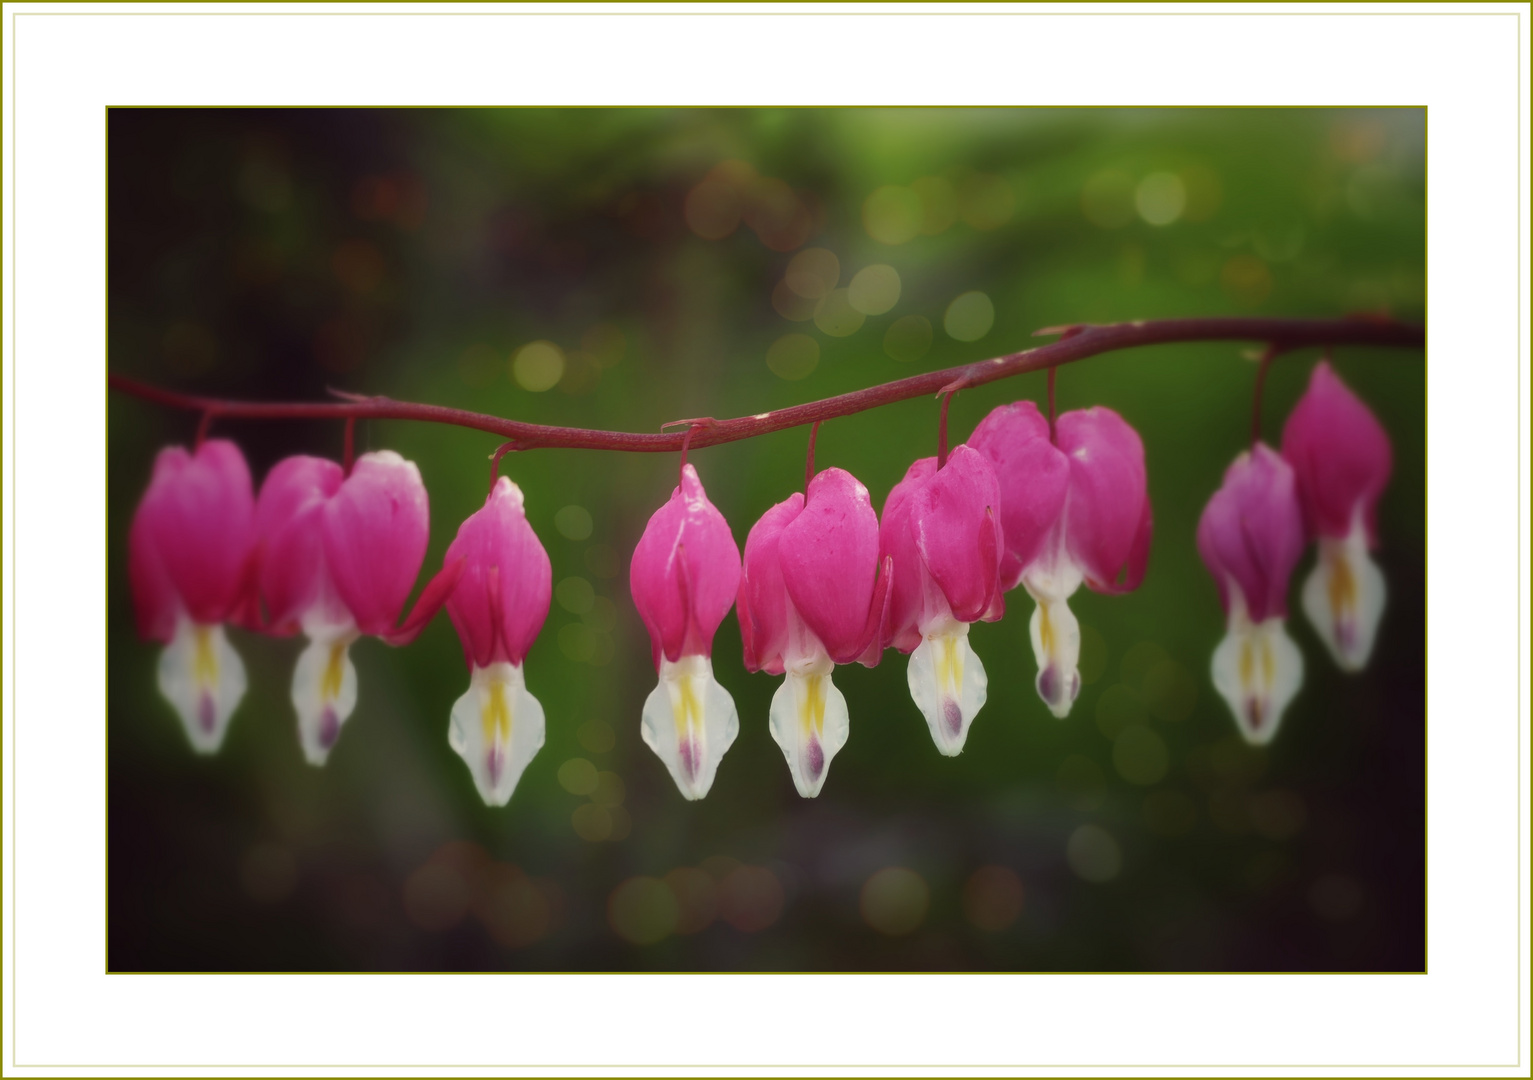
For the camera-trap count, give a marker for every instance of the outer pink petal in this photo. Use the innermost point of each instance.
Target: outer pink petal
(1252, 533)
(1034, 477)
(155, 603)
(199, 517)
(897, 542)
(289, 522)
(375, 533)
(685, 572)
(1109, 524)
(502, 598)
(1340, 454)
(762, 602)
(830, 561)
(956, 524)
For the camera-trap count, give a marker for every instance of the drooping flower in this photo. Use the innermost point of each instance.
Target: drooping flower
(498, 607)
(808, 601)
(942, 529)
(685, 571)
(1341, 458)
(1251, 535)
(339, 556)
(189, 561)
(1071, 511)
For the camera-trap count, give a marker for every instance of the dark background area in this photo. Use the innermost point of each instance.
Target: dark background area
(273, 254)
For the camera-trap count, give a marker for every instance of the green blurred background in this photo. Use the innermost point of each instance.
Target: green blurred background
(645, 255)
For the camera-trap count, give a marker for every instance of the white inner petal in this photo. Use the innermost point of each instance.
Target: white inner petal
(689, 722)
(947, 683)
(324, 693)
(1257, 669)
(809, 721)
(497, 728)
(1057, 648)
(202, 676)
(1344, 598)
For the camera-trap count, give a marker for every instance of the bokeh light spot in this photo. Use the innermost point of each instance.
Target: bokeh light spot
(750, 898)
(1277, 814)
(436, 897)
(969, 317)
(577, 776)
(575, 595)
(512, 907)
(592, 822)
(597, 736)
(573, 522)
(1205, 191)
(1093, 854)
(777, 215)
(578, 642)
(793, 356)
(609, 790)
(538, 366)
(602, 615)
(358, 266)
(1140, 755)
(893, 215)
(836, 316)
(1107, 199)
(1336, 897)
(813, 272)
(874, 289)
(790, 305)
(908, 338)
(1160, 198)
(985, 201)
(713, 209)
(1246, 280)
(894, 900)
(992, 898)
(642, 910)
(697, 901)
(1140, 659)
(1169, 691)
(939, 204)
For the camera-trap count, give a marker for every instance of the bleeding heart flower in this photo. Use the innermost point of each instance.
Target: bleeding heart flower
(942, 529)
(685, 571)
(1341, 458)
(1250, 536)
(498, 608)
(189, 562)
(1072, 511)
(807, 602)
(339, 556)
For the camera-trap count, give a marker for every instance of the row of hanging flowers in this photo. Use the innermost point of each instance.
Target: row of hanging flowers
(825, 580)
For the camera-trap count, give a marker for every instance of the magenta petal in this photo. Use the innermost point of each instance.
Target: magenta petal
(957, 529)
(1109, 523)
(289, 522)
(1034, 477)
(199, 517)
(897, 542)
(1340, 455)
(155, 603)
(685, 572)
(829, 556)
(501, 601)
(876, 630)
(1252, 534)
(375, 533)
(762, 606)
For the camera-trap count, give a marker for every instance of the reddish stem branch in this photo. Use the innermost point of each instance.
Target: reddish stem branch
(814, 433)
(1268, 355)
(1077, 343)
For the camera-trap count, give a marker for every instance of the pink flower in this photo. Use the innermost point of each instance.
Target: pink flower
(1341, 457)
(942, 529)
(1250, 536)
(807, 602)
(1072, 511)
(498, 607)
(189, 562)
(685, 571)
(339, 557)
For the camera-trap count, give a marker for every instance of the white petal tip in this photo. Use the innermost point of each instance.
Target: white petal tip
(810, 723)
(203, 678)
(1343, 598)
(1258, 670)
(497, 728)
(689, 722)
(1056, 638)
(324, 695)
(947, 683)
